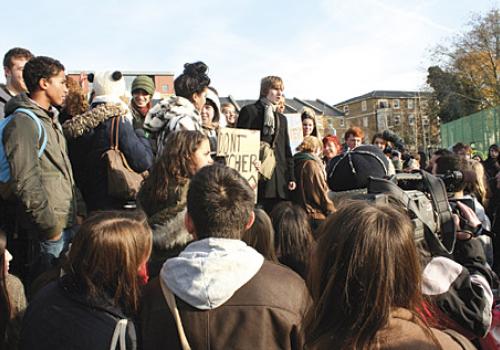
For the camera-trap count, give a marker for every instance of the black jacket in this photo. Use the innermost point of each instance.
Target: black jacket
(87, 147)
(61, 317)
(252, 117)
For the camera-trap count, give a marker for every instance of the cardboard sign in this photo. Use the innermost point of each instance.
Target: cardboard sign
(294, 130)
(240, 148)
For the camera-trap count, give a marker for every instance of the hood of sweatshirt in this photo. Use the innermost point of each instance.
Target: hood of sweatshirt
(209, 271)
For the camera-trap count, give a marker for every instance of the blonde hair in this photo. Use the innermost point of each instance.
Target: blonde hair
(477, 186)
(310, 144)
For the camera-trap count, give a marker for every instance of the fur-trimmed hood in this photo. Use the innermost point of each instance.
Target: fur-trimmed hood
(169, 231)
(83, 123)
(169, 112)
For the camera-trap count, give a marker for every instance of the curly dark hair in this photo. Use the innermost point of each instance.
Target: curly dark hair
(193, 80)
(174, 164)
(38, 68)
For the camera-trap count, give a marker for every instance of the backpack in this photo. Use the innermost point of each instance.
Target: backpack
(42, 136)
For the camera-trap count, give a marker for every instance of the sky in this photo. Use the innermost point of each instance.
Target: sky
(327, 49)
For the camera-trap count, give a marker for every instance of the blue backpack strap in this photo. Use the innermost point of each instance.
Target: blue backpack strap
(41, 129)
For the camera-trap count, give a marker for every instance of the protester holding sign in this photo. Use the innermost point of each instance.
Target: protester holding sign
(263, 116)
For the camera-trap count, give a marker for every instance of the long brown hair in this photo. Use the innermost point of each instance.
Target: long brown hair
(5, 304)
(365, 264)
(106, 254)
(175, 164)
(293, 236)
(261, 235)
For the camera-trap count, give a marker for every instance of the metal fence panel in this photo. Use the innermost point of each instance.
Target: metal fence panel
(480, 130)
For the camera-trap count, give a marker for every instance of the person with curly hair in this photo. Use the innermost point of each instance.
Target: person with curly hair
(163, 194)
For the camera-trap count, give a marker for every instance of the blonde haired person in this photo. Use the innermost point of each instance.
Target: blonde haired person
(312, 190)
(264, 116)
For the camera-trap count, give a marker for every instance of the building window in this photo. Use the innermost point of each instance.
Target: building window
(346, 109)
(164, 88)
(363, 106)
(425, 120)
(342, 122)
(365, 122)
(410, 103)
(383, 104)
(411, 120)
(395, 103)
(396, 119)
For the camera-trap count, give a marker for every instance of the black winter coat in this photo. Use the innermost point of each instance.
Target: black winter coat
(90, 168)
(60, 317)
(252, 117)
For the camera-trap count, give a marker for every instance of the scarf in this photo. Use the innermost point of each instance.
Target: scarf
(269, 109)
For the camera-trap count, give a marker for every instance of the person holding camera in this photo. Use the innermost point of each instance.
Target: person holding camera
(446, 165)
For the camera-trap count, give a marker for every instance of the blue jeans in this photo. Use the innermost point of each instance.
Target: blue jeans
(52, 249)
(49, 252)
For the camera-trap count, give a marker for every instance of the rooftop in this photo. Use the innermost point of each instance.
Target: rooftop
(385, 94)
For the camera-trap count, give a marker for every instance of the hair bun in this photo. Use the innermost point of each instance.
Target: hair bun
(195, 69)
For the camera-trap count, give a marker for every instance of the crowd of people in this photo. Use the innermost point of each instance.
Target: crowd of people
(120, 228)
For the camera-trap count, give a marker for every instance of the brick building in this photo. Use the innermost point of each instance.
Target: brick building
(164, 81)
(402, 112)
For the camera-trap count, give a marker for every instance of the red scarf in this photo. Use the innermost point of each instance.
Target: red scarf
(142, 274)
(142, 110)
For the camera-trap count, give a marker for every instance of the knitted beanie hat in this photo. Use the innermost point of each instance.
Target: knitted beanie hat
(145, 83)
(108, 86)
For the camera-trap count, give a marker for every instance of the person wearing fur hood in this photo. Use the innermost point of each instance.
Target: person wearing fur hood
(182, 111)
(90, 134)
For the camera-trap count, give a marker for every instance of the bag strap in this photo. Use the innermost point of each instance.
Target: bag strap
(42, 133)
(119, 335)
(442, 206)
(172, 305)
(113, 134)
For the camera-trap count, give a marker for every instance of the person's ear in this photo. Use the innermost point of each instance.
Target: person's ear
(251, 220)
(7, 72)
(188, 223)
(43, 83)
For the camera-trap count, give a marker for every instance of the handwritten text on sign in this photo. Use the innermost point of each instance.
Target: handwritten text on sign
(240, 147)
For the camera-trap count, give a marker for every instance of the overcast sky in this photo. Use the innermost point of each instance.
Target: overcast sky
(327, 49)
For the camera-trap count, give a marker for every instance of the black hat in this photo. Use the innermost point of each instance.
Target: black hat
(353, 168)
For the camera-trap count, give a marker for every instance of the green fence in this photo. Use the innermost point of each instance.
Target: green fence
(480, 130)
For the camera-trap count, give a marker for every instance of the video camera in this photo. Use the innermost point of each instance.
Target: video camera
(362, 174)
(425, 198)
(453, 180)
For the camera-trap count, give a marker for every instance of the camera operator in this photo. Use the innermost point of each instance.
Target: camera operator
(447, 167)
(458, 284)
